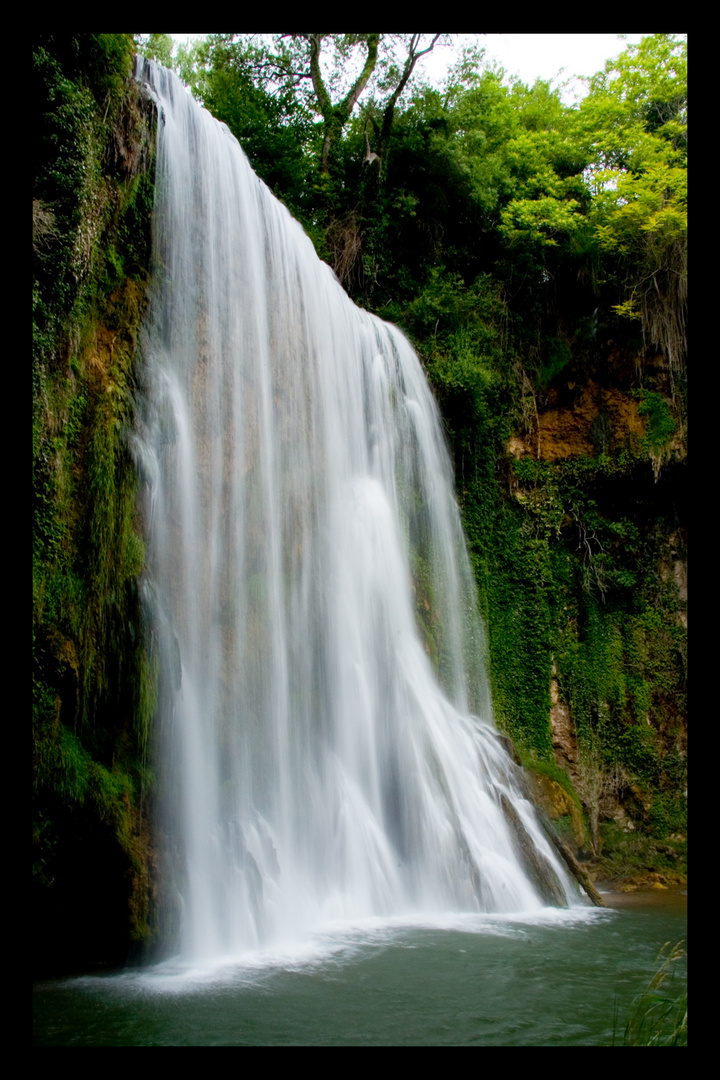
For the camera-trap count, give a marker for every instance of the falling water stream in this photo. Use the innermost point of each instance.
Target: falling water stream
(326, 743)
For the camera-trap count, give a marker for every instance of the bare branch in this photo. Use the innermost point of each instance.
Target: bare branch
(412, 59)
(362, 80)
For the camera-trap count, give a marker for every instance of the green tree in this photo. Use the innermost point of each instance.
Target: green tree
(325, 74)
(336, 114)
(634, 122)
(158, 47)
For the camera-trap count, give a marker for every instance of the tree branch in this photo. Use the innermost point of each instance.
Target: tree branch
(336, 116)
(361, 82)
(411, 61)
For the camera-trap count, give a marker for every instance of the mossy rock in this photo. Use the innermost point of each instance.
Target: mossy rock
(557, 803)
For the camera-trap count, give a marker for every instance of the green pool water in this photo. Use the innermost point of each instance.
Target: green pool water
(563, 978)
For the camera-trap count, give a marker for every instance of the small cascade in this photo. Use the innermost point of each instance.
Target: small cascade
(326, 747)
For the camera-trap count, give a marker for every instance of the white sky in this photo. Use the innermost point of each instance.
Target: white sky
(529, 56)
(542, 56)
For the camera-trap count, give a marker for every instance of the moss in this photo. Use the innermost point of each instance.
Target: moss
(555, 793)
(634, 856)
(660, 426)
(572, 560)
(94, 680)
(425, 611)
(556, 357)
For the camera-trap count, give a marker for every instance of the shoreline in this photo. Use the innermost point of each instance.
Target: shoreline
(671, 897)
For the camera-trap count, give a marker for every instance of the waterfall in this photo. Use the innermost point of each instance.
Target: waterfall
(326, 746)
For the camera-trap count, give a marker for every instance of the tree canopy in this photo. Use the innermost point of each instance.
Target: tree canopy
(482, 176)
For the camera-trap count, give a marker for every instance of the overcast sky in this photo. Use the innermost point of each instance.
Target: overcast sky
(542, 56)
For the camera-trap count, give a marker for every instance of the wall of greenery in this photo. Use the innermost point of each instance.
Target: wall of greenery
(93, 674)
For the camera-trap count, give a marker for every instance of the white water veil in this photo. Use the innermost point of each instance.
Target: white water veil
(325, 739)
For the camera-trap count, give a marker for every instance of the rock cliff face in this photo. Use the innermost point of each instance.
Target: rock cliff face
(93, 674)
(598, 408)
(578, 418)
(597, 474)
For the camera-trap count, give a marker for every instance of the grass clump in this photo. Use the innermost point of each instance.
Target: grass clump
(658, 1016)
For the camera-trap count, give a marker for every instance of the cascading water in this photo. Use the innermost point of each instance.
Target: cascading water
(327, 748)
